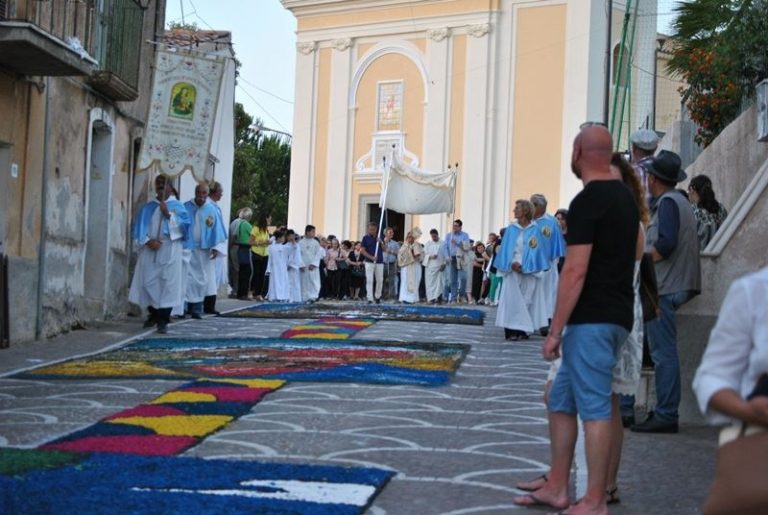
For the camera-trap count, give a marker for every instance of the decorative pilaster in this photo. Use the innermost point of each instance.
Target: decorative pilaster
(306, 47)
(342, 44)
(479, 30)
(437, 35)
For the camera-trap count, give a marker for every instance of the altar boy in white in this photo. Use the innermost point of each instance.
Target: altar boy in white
(311, 255)
(205, 234)
(159, 230)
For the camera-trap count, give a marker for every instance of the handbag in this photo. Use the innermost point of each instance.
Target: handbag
(742, 468)
(649, 290)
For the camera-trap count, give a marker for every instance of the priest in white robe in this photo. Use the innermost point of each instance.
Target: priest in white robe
(520, 262)
(409, 259)
(205, 235)
(159, 231)
(434, 265)
(311, 255)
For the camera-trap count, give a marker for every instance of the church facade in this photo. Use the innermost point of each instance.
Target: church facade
(498, 86)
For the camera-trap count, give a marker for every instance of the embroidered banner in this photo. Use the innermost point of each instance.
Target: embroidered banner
(182, 111)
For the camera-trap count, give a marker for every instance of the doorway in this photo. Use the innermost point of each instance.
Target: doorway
(392, 219)
(98, 216)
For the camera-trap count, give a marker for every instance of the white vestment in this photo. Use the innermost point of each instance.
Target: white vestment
(157, 280)
(277, 268)
(201, 271)
(220, 263)
(433, 276)
(409, 261)
(311, 254)
(520, 308)
(294, 274)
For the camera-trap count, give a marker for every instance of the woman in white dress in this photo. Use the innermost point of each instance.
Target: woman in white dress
(409, 260)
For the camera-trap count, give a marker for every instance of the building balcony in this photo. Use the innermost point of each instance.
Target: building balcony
(46, 38)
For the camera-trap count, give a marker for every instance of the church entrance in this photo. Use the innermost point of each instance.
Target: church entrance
(392, 219)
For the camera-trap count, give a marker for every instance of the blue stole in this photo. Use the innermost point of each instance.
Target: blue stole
(143, 223)
(534, 257)
(552, 239)
(212, 229)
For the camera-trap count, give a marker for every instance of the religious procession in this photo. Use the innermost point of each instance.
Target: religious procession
(359, 257)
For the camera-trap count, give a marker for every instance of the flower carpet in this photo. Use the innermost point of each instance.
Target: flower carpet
(54, 482)
(171, 423)
(399, 312)
(297, 359)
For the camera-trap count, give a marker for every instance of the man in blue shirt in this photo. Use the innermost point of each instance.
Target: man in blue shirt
(456, 243)
(374, 266)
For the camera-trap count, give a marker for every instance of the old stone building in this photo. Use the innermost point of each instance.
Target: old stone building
(74, 86)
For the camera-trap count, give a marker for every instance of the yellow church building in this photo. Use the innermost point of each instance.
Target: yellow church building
(498, 86)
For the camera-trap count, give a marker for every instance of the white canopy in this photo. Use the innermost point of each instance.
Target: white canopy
(410, 190)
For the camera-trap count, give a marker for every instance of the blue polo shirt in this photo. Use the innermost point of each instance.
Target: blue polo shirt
(369, 244)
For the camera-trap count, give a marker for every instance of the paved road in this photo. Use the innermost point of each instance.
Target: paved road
(457, 449)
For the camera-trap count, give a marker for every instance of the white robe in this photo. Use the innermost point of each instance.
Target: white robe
(201, 271)
(409, 261)
(433, 276)
(157, 280)
(520, 307)
(294, 274)
(277, 268)
(311, 254)
(221, 261)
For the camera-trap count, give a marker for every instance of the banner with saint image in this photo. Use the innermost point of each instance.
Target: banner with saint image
(182, 112)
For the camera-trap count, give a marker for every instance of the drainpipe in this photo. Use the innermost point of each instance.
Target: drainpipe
(43, 214)
(608, 64)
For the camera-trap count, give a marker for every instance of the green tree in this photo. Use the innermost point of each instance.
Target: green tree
(721, 52)
(261, 169)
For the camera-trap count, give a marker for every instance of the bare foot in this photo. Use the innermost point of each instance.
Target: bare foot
(584, 507)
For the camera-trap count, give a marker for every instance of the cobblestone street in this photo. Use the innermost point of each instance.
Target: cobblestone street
(457, 448)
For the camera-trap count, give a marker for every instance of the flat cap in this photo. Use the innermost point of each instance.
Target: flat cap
(645, 139)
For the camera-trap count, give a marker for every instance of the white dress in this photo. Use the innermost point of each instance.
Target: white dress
(520, 308)
(410, 274)
(626, 373)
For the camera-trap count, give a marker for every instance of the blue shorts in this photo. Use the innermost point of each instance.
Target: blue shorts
(583, 383)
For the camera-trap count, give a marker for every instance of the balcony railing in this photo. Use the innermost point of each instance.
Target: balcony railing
(62, 19)
(47, 37)
(117, 46)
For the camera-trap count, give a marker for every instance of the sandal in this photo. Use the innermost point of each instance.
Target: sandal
(612, 495)
(529, 489)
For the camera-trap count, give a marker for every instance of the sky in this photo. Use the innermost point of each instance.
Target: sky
(264, 40)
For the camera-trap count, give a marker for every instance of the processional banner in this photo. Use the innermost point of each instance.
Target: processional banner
(410, 190)
(182, 112)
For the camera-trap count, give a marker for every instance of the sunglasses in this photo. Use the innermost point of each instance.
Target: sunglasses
(592, 124)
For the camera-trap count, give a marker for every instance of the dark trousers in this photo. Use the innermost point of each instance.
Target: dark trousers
(259, 264)
(244, 273)
(160, 316)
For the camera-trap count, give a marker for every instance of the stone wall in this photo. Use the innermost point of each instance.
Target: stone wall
(738, 166)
